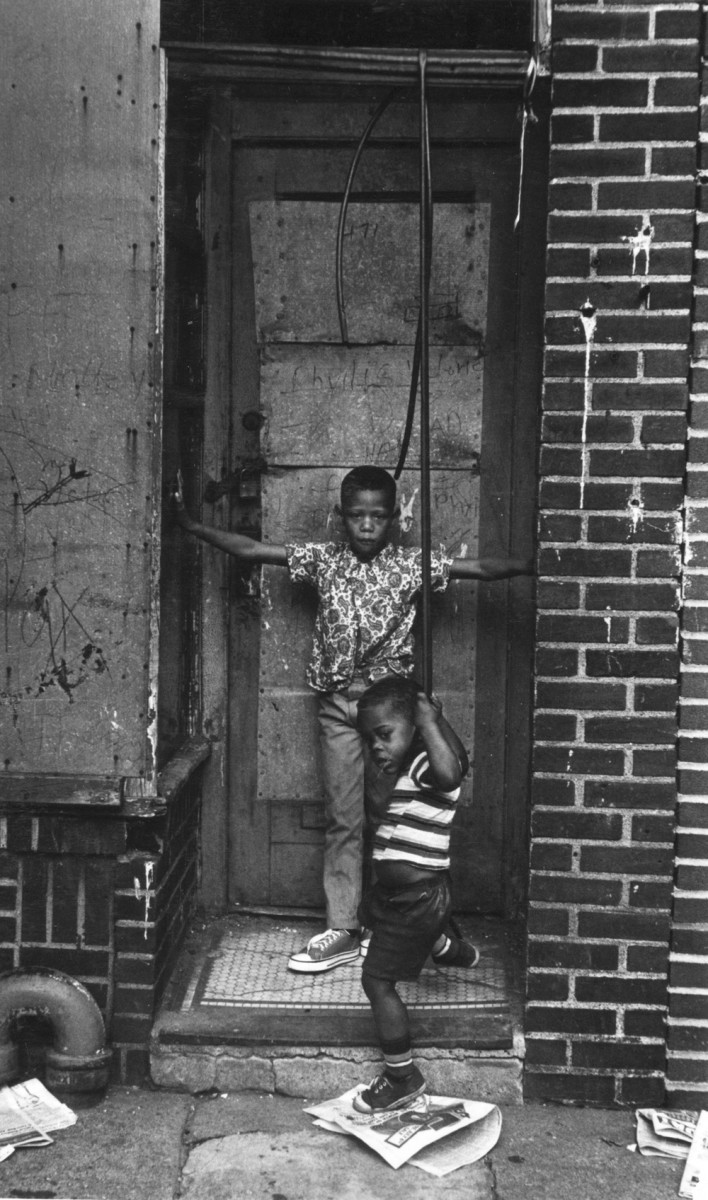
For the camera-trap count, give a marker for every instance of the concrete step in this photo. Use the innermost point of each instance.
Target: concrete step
(234, 1018)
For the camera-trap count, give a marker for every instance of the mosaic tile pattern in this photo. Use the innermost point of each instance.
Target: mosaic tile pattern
(247, 968)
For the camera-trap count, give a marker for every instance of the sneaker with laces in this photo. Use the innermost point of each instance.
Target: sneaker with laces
(387, 1092)
(364, 942)
(325, 951)
(458, 954)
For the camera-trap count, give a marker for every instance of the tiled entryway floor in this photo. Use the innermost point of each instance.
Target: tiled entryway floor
(233, 979)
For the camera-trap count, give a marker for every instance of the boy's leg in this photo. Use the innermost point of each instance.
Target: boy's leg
(453, 951)
(400, 1081)
(342, 766)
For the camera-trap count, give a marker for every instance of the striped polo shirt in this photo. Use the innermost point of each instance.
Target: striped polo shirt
(416, 827)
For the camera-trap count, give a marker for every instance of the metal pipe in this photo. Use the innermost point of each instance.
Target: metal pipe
(492, 68)
(410, 414)
(425, 263)
(78, 1060)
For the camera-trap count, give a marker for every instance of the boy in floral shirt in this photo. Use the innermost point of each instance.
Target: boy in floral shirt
(367, 590)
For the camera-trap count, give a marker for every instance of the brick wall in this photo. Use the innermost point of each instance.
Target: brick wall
(612, 461)
(687, 1070)
(106, 899)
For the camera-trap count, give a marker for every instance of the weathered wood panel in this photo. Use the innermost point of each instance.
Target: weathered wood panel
(80, 380)
(294, 245)
(450, 121)
(340, 404)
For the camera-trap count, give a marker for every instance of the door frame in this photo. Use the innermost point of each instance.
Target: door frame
(493, 75)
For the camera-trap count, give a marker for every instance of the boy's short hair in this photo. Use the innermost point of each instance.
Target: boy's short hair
(369, 479)
(398, 691)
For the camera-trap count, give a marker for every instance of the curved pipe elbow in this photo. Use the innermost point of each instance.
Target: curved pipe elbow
(78, 1059)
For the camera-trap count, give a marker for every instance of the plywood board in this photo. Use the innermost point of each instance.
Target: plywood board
(294, 255)
(79, 427)
(338, 404)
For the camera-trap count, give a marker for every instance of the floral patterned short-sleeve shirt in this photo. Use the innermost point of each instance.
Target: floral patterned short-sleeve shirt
(366, 609)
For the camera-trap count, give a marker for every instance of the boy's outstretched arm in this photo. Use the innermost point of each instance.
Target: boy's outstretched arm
(238, 544)
(490, 568)
(446, 754)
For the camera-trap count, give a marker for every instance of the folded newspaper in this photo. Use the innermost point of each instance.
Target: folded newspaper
(665, 1134)
(410, 1134)
(694, 1181)
(28, 1114)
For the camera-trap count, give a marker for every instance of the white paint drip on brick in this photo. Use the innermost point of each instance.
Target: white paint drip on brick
(640, 243)
(145, 893)
(588, 318)
(636, 506)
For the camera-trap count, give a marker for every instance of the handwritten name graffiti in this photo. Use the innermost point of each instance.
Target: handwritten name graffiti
(67, 655)
(359, 374)
(329, 403)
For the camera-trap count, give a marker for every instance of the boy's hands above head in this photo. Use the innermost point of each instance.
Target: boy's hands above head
(428, 710)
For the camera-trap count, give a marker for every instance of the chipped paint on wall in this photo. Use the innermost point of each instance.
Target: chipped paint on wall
(406, 517)
(79, 426)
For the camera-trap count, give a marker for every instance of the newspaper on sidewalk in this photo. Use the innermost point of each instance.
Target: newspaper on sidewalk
(694, 1181)
(410, 1134)
(665, 1134)
(28, 1114)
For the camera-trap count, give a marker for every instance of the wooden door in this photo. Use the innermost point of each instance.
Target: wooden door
(306, 408)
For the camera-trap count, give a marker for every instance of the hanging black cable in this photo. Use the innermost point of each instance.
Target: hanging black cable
(341, 306)
(425, 258)
(410, 414)
(415, 369)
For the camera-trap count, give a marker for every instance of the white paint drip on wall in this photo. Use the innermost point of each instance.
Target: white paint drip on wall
(145, 893)
(640, 243)
(406, 518)
(588, 318)
(608, 625)
(636, 506)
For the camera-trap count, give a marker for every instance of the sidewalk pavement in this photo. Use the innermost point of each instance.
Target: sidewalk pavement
(144, 1144)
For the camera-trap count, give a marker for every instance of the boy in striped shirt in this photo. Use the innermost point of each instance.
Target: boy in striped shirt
(408, 908)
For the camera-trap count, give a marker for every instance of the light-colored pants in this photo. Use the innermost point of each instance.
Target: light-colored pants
(347, 778)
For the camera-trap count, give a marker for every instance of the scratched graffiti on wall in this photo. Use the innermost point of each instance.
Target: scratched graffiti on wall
(49, 633)
(77, 371)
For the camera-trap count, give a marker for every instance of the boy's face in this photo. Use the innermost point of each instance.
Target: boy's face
(388, 735)
(367, 518)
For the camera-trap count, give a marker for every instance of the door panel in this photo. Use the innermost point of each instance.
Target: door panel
(326, 407)
(295, 281)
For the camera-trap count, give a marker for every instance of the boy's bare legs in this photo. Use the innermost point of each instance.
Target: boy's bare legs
(389, 1012)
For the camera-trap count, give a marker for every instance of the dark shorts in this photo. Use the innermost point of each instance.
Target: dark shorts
(405, 924)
